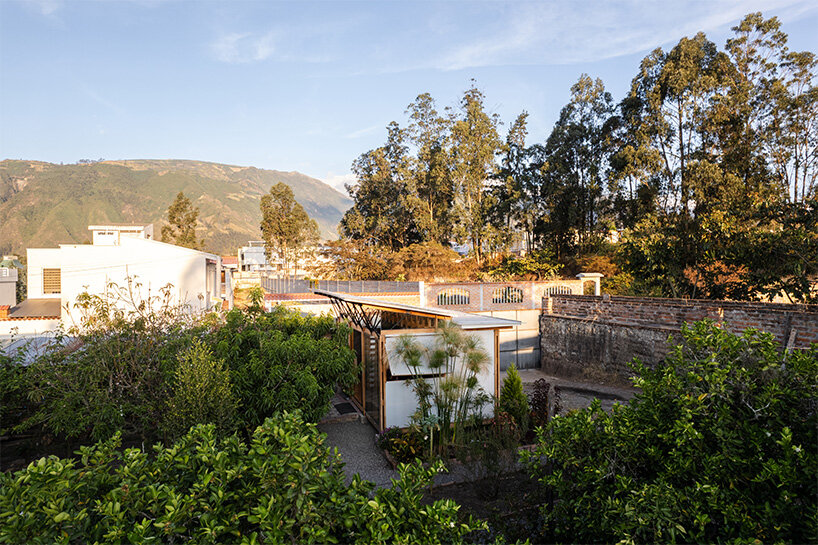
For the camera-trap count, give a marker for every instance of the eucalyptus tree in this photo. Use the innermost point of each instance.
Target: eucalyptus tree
(575, 167)
(475, 142)
(181, 227)
(381, 216)
(515, 201)
(429, 187)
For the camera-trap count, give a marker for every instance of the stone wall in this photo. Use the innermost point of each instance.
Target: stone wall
(581, 332)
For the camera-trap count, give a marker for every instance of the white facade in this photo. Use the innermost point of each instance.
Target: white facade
(71, 269)
(401, 400)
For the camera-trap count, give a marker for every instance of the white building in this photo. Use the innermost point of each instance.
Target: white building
(120, 252)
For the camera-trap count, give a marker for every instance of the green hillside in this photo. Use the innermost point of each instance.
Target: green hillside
(43, 204)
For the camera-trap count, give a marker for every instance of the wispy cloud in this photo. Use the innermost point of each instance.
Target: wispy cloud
(339, 180)
(544, 33)
(95, 96)
(362, 132)
(241, 48)
(46, 8)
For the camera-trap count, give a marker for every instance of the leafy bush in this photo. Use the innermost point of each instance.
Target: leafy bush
(540, 403)
(404, 445)
(282, 361)
(283, 486)
(201, 394)
(719, 446)
(122, 369)
(512, 398)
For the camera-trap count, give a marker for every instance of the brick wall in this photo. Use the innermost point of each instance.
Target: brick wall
(481, 295)
(580, 331)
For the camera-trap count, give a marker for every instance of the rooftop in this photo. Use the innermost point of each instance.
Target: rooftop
(36, 308)
(465, 320)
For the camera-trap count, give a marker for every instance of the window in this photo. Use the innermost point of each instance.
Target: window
(453, 296)
(51, 281)
(508, 294)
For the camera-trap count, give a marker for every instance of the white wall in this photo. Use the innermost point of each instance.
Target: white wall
(151, 264)
(400, 402)
(36, 260)
(15, 334)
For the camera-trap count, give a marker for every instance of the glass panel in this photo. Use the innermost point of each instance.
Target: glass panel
(372, 378)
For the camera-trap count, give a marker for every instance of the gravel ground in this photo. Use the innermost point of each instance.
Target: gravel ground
(355, 442)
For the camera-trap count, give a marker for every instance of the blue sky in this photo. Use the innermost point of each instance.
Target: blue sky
(309, 86)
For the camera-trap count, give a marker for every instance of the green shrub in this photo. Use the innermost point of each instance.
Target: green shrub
(122, 371)
(201, 393)
(283, 486)
(512, 398)
(282, 361)
(404, 445)
(719, 446)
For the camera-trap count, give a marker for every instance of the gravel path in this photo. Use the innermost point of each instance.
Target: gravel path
(355, 442)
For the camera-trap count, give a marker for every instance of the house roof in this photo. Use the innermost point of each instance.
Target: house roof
(465, 320)
(36, 308)
(230, 260)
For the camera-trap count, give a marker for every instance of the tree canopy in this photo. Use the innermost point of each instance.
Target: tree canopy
(286, 228)
(182, 221)
(700, 182)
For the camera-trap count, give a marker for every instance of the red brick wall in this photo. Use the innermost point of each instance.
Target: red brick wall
(781, 320)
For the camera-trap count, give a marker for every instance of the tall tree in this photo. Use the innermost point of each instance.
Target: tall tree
(181, 227)
(575, 165)
(515, 202)
(381, 215)
(286, 228)
(430, 190)
(475, 144)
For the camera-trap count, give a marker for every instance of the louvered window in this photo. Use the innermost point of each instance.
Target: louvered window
(51, 281)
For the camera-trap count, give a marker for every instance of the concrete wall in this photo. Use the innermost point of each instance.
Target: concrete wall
(16, 333)
(151, 264)
(580, 332)
(8, 286)
(481, 294)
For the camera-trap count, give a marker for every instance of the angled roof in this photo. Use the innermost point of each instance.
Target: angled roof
(465, 320)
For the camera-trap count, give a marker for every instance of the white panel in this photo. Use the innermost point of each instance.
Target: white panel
(396, 363)
(401, 403)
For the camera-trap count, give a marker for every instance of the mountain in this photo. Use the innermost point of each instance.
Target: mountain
(43, 204)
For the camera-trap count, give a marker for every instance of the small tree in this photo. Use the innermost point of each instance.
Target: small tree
(182, 220)
(285, 226)
(513, 399)
(202, 393)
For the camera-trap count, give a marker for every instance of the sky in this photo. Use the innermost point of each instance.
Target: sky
(309, 86)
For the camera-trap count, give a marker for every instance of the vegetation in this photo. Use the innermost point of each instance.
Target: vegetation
(512, 398)
(706, 170)
(286, 228)
(181, 227)
(152, 369)
(719, 446)
(448, 401)
(281, 486)
(48, 204)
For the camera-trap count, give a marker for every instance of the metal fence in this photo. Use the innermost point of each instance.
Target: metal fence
(299, 285)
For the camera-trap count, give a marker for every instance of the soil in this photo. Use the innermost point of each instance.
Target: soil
(509, 503)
